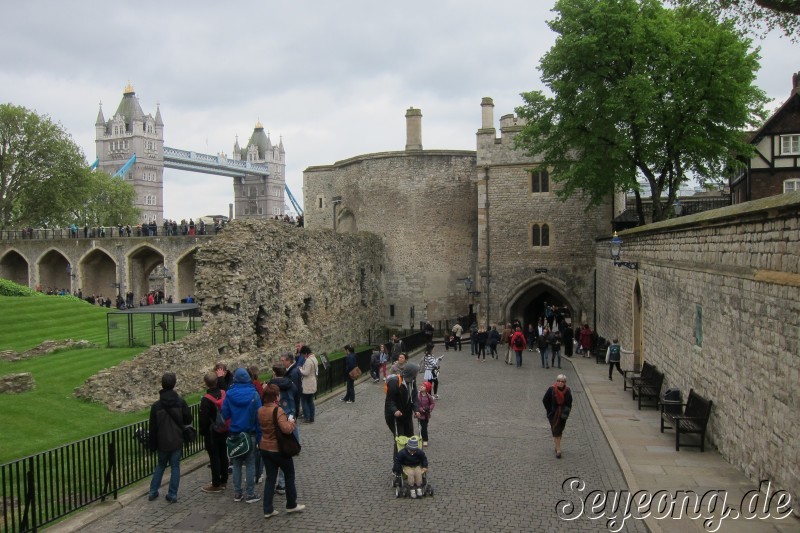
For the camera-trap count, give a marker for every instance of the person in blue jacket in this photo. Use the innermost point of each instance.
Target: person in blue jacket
(241, 408)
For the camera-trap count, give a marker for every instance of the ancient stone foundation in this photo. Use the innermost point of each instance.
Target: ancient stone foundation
(262, 286)
(16, 383)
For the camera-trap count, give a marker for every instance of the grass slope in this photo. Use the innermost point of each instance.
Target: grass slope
(50, 415)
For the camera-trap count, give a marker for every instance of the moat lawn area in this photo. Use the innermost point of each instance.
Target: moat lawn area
(51, 415)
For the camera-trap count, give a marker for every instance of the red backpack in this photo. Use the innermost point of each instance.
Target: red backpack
(218, 423)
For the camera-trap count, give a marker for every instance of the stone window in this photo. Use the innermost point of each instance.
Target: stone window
(790, 144)
(391, 310)
(540, 181)
(791, 185)
(540, 235)
(319, 202)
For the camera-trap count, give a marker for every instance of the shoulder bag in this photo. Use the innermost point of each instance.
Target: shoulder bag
(189, 433)
(287, 444)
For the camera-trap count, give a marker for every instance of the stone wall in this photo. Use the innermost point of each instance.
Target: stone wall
(262, 286)
(422, 203)
(719, 312)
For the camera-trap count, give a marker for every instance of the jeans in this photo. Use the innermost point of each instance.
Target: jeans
(611, 368)
(473, 344)
(249, 462)
(519, 357)
(556, 353)
(351, 390)
(481, 350)
(174, 460)
(275, 461)
(218, 457)
(545, 357)
(308, 406)
(457, 343)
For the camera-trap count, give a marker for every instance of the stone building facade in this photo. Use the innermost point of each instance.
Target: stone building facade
(715, 305)
(421, 203)
(533, 248)
(129, 132)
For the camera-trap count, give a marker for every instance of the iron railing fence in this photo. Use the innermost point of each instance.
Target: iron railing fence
(42, 488)
(98, 232)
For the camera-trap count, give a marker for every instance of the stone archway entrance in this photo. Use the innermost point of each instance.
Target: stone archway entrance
(55, 272)
(142, 274)
(99, 274)
(186, 275)
(15, 268)
(528, 304)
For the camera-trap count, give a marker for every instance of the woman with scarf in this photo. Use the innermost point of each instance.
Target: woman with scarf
(558, 403)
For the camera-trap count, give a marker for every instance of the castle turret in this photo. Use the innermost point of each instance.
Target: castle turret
(413, 129)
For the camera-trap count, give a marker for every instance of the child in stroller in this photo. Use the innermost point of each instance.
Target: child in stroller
(410, 468)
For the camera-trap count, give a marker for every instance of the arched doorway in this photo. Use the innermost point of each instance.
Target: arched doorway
(14, 267)
(186, 270)
(99, 275)
(55, 272)
(147, 272)
(638, 333)
(528, 301)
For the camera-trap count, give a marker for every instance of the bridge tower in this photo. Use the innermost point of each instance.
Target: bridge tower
(128, 133)
(260, 196)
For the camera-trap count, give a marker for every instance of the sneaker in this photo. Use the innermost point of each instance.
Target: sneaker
(280, 490)
(238, 497)
(413, 492)
(210, 488)
(349, 401)
(424, 443)
(253, 499)
(270, 515)
(419, 492)
(171, 500)
(296, 509)
(151, 497)
(260, 478)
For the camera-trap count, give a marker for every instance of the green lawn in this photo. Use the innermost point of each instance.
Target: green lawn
(51, 415)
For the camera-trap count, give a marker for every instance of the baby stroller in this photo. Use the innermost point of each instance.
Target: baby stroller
(399, 481)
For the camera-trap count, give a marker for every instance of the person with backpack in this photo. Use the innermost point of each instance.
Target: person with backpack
(613, 354)
(241, 408)
(518, 344)
(214, 430)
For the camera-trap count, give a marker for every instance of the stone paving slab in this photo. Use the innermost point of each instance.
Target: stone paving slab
(491, 463)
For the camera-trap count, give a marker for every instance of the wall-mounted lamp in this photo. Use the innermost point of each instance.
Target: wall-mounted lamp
(468, 284)
(677, 208)
(70, 273)
(616, 251)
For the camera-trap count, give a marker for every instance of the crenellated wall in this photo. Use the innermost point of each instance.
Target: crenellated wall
(715, 305)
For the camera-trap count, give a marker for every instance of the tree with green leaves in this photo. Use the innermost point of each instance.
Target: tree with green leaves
(754, 14)
(639, 90)
(44, 179)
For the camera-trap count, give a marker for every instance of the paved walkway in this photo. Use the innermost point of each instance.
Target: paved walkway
(492, 464)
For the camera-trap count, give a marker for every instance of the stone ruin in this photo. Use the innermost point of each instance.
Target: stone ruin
(16, 383)
(262, 285)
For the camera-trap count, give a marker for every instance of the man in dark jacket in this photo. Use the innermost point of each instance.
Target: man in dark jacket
(168, 416)
(401, 401)
(293, 373)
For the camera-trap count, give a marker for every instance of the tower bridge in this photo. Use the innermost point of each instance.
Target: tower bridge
(131, 145)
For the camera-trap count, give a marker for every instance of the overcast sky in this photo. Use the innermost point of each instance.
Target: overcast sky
(332, 78)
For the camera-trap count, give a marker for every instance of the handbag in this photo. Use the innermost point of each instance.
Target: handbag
(354, 373)
(189, 433)
(565, 412)
(238, 445)
(287, 444)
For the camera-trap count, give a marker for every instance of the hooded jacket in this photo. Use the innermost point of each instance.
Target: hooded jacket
(241, 405)
(288, 391)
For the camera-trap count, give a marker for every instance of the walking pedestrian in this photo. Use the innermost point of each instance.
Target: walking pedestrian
(558, 404)
(613, 354)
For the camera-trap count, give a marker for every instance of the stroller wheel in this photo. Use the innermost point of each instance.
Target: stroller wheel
(397, 492)
(405, 492)
(429, 490)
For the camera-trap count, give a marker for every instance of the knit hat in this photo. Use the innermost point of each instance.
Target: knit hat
(413, 443)
(426, 386)
(241, 376)
(410, 371)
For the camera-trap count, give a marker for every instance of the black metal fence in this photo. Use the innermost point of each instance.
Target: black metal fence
(42, 488)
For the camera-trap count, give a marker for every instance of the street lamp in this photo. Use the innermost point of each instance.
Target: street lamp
(468, 284)
(616, 251)
(677, 208)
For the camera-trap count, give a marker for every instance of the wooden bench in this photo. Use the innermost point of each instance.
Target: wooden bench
(599, 350)
(693, 419)
(631, 378)
(649, 390)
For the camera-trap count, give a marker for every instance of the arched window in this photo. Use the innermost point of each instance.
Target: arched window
(540, 235)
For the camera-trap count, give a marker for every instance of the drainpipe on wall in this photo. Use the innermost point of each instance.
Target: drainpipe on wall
(488, 248)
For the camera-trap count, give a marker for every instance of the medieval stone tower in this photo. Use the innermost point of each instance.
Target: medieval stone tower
(260, 196)
(134, 140)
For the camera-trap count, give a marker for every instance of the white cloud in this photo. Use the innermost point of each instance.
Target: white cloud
(334, 79)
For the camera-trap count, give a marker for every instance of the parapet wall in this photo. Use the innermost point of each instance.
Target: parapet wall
(262, 287)
(720, 313)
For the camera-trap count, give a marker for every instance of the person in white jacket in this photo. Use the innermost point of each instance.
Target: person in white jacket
(309, 371)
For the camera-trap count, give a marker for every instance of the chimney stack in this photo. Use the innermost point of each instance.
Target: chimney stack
(487, 113)
(413, 129)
